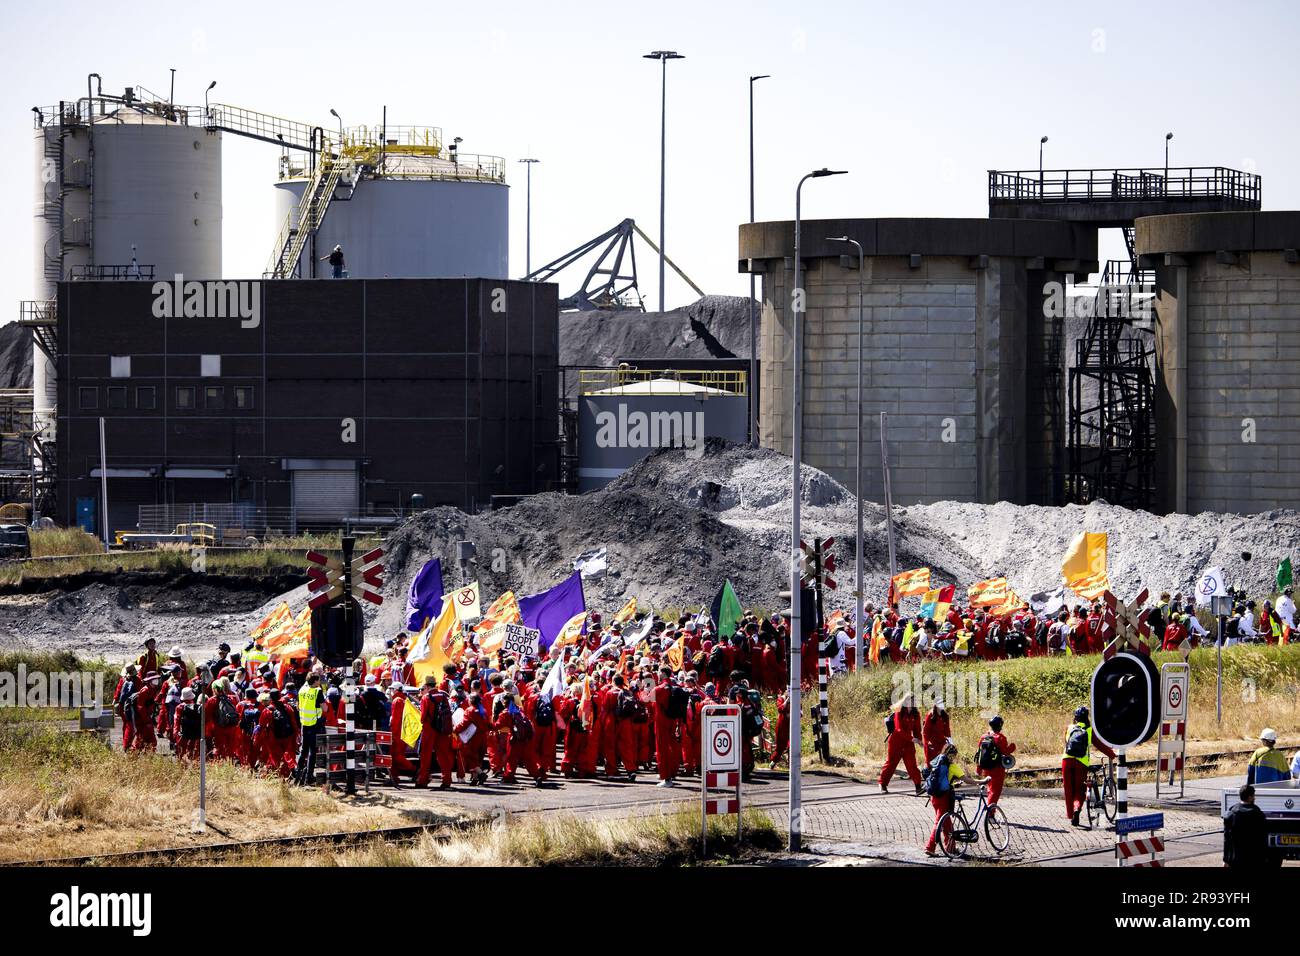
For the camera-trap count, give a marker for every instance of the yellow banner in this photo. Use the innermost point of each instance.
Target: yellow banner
(1084, 566)
(571, 633)
(435, 645)
(626, 613)
(911, 583)
(410, 723)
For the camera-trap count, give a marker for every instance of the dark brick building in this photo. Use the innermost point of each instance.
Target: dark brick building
(337, 398)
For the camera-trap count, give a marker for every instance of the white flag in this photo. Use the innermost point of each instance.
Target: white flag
(554, 683)
(1210, 585)
(591, 564)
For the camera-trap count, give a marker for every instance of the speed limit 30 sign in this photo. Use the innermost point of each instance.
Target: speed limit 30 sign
(720, 760)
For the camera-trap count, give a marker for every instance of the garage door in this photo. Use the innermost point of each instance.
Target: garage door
(326, 496)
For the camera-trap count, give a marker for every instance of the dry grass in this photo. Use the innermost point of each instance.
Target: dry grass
(64, 541)
(1037, 696)
(663, 839)
(68, 795)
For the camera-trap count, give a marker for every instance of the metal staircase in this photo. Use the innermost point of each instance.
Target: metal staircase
(302, 223)
(1112, 397)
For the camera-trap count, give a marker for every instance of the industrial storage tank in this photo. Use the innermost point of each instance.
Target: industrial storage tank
(126, 187)
(406, 207)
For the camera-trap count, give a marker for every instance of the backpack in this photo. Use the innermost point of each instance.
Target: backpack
(190, 723)
(523, 730)
(441, 714)
(933, 780)
(993, 638)
(226, 714)
(626, 707)
(281, 723)
(1015, 644)
(717, 663)
(678, 701)
(248, 722)
(890, 726)
(989, 755)
(1234, 627)
(1076, 744)
(752, 711)
(544, 713)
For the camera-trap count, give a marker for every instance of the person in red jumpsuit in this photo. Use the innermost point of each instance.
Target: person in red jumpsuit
(469, 753)
(781, 742)
(543, 733)
(496, 746)
(668, 730)
(248, 715)
(187, 728)
(1074, 770)
(434, 739)
(147, 663)
(145, 701)
(277, 749)
(575, 734)
(691, 727)
(616, 704)
(400, 762)
(936, 729)
(128, 685)
(901, 744)
(944, 768)
(996, 775)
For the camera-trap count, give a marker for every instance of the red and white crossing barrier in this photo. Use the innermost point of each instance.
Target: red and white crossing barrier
(1143, 851)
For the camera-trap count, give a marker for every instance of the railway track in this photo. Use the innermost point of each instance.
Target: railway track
(215, 852)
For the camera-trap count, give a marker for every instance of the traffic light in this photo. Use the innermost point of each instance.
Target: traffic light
(1125, 700)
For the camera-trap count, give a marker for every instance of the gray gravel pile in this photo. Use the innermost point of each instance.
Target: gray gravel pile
(713, 327)
(676, 526)
(15, 356)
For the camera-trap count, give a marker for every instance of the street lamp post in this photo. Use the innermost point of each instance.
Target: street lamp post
(1168, 137)
(334, 114)
(207, 111)
(528, 218)
(1041, 142)
(753, 316)
(859, 618)
(663, 56)
(796, 443)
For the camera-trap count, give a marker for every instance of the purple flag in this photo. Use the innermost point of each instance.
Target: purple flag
(551, 610)
(424, 600)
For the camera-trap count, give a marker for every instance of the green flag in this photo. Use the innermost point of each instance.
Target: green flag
(726, 610)
(1284, 573)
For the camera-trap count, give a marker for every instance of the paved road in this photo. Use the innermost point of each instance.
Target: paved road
(850, 820)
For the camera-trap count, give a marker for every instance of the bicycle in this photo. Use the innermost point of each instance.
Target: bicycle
(955, 841)
(1102, 797)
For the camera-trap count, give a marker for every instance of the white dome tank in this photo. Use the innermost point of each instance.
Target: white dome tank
(157, 195)
(412, 214)
(140, 183)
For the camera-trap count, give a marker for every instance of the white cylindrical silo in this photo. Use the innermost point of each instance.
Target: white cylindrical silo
(156, 195)
(419, 217)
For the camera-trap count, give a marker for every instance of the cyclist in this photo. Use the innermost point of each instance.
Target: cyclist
(944, 776)
(1075, 762)
(993, 746)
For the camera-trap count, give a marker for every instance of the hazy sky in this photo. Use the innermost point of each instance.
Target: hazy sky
(916, 100)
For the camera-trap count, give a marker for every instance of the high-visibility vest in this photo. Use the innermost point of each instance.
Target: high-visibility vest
(309, 710)
(907, 636)
(255, 660)
(1086, 759)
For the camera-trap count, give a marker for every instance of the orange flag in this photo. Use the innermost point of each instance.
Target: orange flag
(504, 610)
(294, 640)
(910, 583)
(988, 593)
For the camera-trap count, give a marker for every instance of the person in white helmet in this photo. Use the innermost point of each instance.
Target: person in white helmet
(1267, 765)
